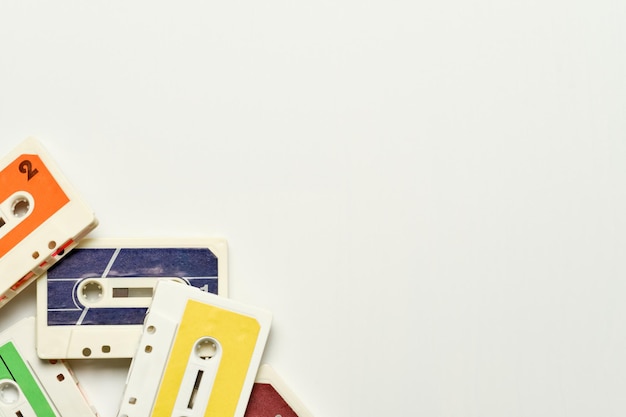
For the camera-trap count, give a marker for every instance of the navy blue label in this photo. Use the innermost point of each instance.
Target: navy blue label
(196, 266)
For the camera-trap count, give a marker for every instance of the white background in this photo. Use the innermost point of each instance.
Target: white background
(429, 196)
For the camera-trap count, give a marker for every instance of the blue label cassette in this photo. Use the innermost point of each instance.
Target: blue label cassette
(93, 304)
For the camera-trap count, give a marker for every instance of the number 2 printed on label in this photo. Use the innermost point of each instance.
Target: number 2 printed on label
(26, 167)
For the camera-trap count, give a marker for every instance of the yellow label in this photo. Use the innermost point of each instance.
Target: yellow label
(236, 333)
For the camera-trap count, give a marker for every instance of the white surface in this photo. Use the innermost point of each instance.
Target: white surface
(429, 196)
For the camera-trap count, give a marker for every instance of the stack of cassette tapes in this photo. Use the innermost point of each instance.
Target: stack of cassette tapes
(164, 303)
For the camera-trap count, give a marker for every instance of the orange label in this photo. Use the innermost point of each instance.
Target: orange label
(28, 173)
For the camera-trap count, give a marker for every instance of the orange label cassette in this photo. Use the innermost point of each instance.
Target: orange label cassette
(42, 217)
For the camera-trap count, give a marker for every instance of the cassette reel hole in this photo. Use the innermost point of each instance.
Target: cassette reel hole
(206, 348)
(9, 392)
(60, 377)
(52, 244)
(92, 291)
(151, 329)
(35, 255)
(148, 349)
(20, 206)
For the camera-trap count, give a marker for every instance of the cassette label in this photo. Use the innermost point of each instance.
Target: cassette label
(236, 346)
(30, 175)
(100, 286)
(95, 301)
(265, 401)
(16, 381)
(42, 217)
(197, 356)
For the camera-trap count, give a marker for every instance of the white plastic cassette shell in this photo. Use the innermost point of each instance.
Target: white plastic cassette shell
(148, 365)
(55, 378)
(120, 340)
(66, 227)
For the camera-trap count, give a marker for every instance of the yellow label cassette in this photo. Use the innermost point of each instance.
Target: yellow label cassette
(33, 387)
(93, 304)
(42, 217)
(198, 355)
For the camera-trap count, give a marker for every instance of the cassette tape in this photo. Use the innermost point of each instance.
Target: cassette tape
(271, 397)
(93, 304)
(198, 355)
(33, 387)
(42, 217)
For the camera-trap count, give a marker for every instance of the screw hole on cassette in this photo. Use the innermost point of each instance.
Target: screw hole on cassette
(35, 255)
(151, 329)
(61, 250)
(86, 352)
(52, 244)
(92, 291)
(60, 377)
(148, 349)
(9, 392)
(206, 348)
(106, 349)
(20, 206)
(132, 400)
